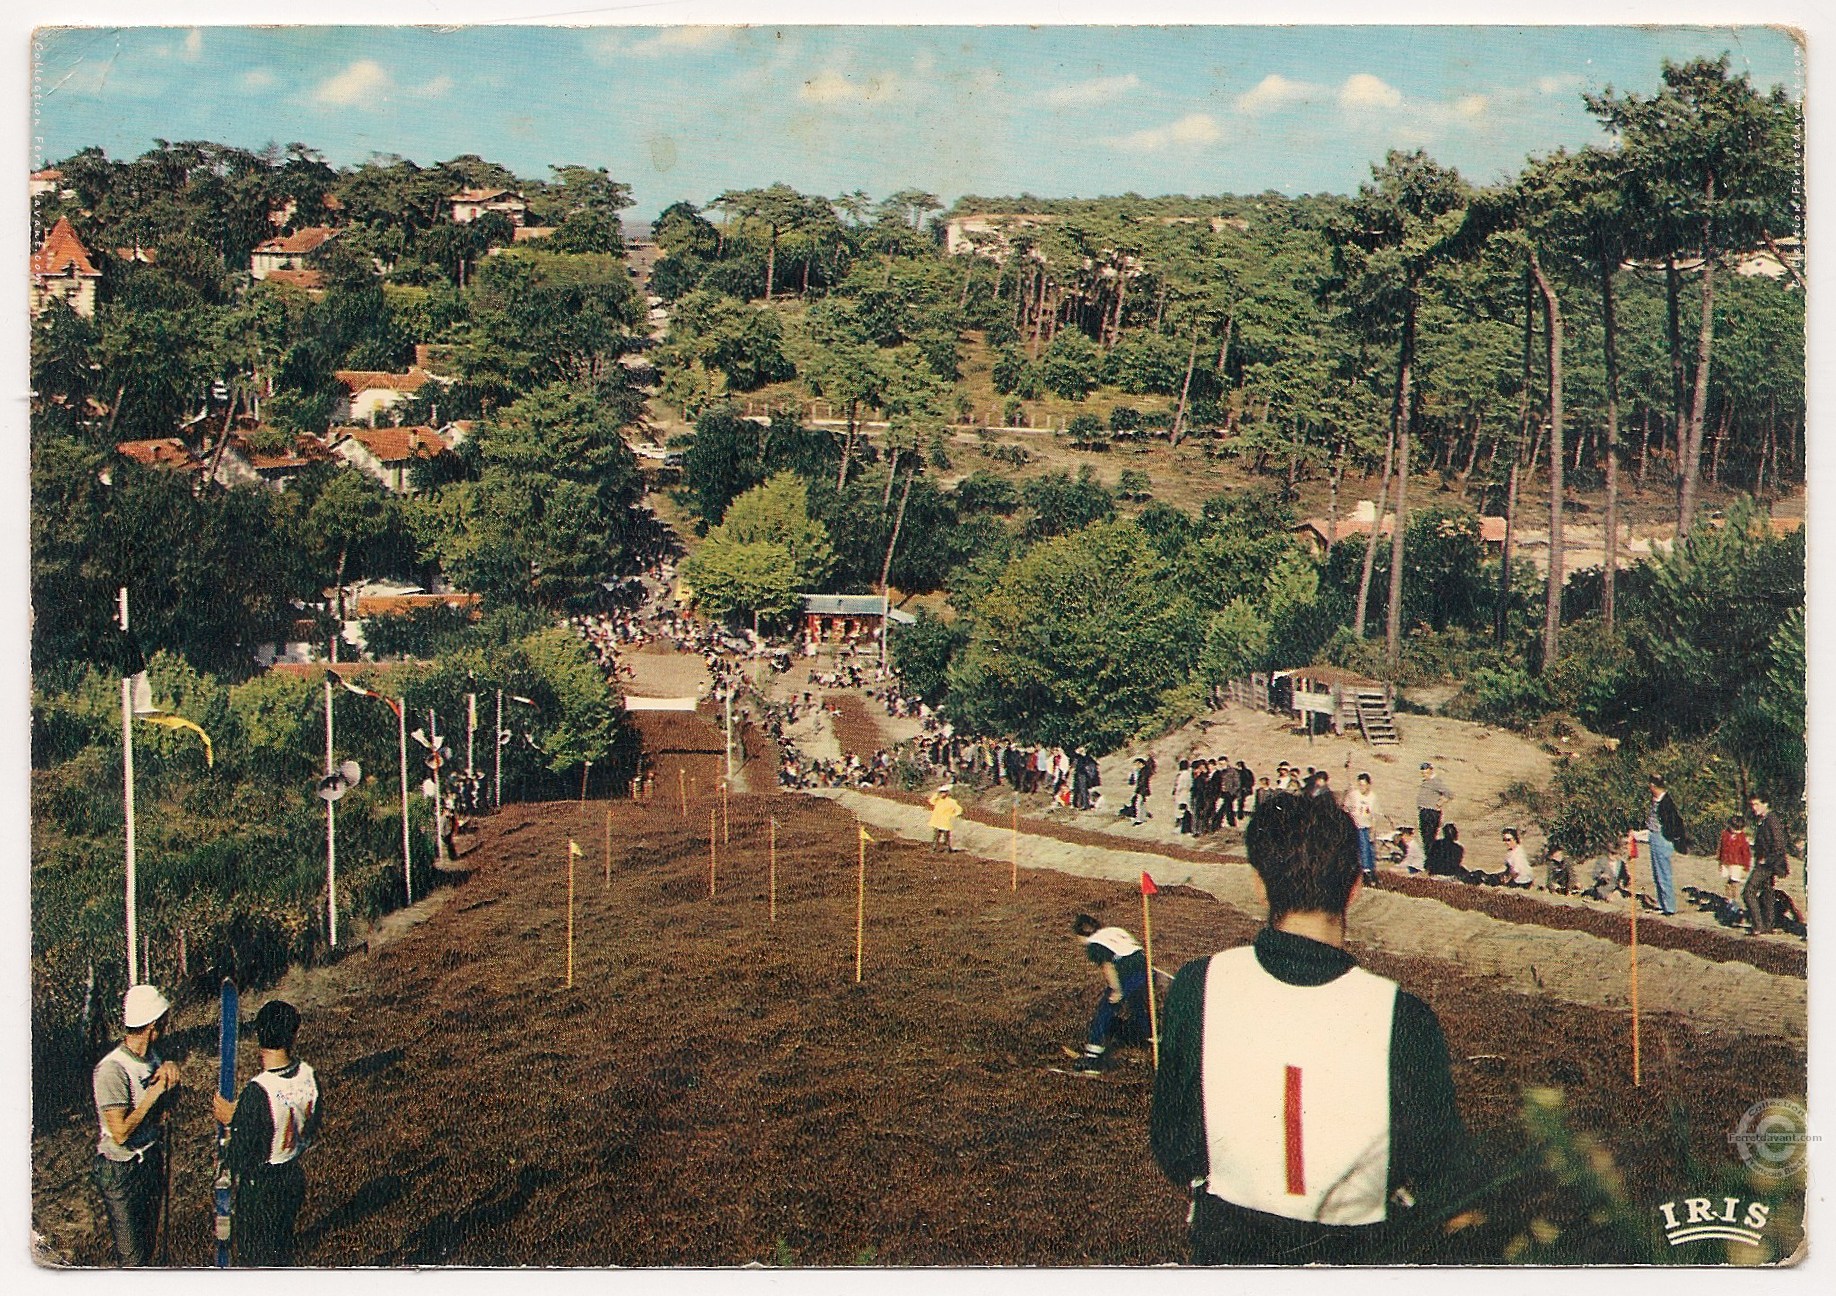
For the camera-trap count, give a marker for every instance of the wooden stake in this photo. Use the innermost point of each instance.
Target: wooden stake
(1632, 888)
(710, 852)
(682, 790)
(1013, 848)
(726, 824)
(860, 900)
(572, 850)
(608, 848)
(773, 874)
(1147, 940)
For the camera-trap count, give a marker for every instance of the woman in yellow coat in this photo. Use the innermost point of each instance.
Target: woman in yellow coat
(944, 811)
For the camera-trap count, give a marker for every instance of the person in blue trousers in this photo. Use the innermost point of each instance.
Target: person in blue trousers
(1667, 836)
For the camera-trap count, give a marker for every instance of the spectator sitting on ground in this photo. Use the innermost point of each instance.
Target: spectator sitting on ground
(1446, 857)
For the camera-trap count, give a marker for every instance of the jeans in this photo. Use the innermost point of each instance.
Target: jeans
(1660, 872)
(1110, 1019)
(1759, 898)
(1367, 852)
(267, 1203)
(130, 1194)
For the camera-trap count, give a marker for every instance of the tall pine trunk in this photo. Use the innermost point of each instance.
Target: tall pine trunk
(1698, 405)
(1610, 346)
(1392, 634)
(1501, 616)
(1552, 598)
(1382, 502)
(1179, 416)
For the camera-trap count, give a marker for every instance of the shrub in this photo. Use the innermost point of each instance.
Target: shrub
(1506, 696)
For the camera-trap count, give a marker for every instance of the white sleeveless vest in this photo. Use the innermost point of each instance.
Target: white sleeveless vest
(1115, 940)
(1296, 1086)
(291, 1100)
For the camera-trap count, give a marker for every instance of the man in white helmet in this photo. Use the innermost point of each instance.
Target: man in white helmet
(130, 1086)
(1307, 1103)
(271, 1123)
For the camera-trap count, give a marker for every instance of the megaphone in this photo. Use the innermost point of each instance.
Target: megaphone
(351, 772)
(335, 784)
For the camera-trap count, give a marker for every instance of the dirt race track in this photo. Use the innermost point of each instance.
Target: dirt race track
(717, 1090)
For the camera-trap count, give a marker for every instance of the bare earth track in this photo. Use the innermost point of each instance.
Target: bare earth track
(717, 1090)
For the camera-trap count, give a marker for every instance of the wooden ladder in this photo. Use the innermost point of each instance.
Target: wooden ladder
(1376, 720)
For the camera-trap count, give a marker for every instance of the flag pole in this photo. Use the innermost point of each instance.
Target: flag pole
(331, 823)
(772, 884)
(1147, 940)
(726, 823)
(497, 774)
(682, 790)
(471, 727)
(608, 848)
(1632, 889)
(860, 900)
(710, 852)
(572, 850)
(401, 738)
(433, 736)
(127, 781)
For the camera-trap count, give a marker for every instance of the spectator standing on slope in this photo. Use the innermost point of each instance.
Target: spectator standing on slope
(1361, 805)
(275, 1119)
(1431, 798)
(1667, 835)
(1182, 796)
(944, 811)
(131, 1084)
(1769, 862)
(1735, 860)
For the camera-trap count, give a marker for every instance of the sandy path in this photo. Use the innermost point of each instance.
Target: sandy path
(1725, 998)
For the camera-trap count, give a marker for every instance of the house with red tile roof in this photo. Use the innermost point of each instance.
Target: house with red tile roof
(300, 250)
(370, 392)
(469, 204)
(62, 271)
(49, 180)
(247, 460)
(161, 452)
(388, 454)
(311, 281)
(1319, 533)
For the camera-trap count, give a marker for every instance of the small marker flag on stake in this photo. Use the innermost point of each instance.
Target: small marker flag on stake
(573, 848)
(866, 836)
(1147, 938)
(361, 691)
(1147, 886)
(165, 721)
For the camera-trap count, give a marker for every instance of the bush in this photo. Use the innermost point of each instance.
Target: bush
(1506, 696)
(1013, 412)
(1072, 365)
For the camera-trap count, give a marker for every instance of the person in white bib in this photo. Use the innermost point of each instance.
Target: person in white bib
(131, 1084)
(1304, 1100)
(271, 1123)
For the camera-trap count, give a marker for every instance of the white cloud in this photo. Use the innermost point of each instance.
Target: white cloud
(1272, 92)
(1362, 90)
(675, 40)
(1194, 128)
(194, 43)
(435, 88)
(1102, 90)
(256, 79)
(356, 83)
(831, 87)
(1557, 84)
(1472, 106)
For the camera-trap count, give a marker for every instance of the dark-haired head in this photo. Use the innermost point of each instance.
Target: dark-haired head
(276, 1024)
(1450, 833)
(1085, 925)
(1305, 850)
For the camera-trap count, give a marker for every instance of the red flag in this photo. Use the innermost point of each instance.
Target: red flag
(361, 691)
(1147, 886)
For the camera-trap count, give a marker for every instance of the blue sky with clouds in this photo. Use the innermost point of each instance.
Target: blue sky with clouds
(688, 111)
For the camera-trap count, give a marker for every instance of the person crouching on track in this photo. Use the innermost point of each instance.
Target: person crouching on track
(1304, 1099)
(273, 1121)
(944, 811)
(1122, 1011)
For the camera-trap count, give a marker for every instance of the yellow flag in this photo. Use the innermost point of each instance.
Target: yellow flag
(866, 836)
(165, 721)
(573, 848)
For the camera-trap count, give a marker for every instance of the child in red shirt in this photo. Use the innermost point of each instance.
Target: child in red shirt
(1736, 858)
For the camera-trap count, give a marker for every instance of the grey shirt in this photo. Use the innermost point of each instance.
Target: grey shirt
(1432, 793)
(120, 1080)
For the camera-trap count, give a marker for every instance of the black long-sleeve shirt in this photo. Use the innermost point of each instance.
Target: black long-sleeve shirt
(1430, 1153)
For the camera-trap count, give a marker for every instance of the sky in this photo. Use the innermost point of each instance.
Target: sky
(684, 112)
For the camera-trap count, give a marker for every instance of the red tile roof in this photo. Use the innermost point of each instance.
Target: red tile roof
(483, 195)
(299, 242)
(360, 380)
(393, 444)
(396, 604)
(303, 451)
(307, 279)
(63, 252)
(49, 173)
(160, 452)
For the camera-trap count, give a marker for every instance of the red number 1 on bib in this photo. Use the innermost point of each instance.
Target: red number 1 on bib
(1291, 1134)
